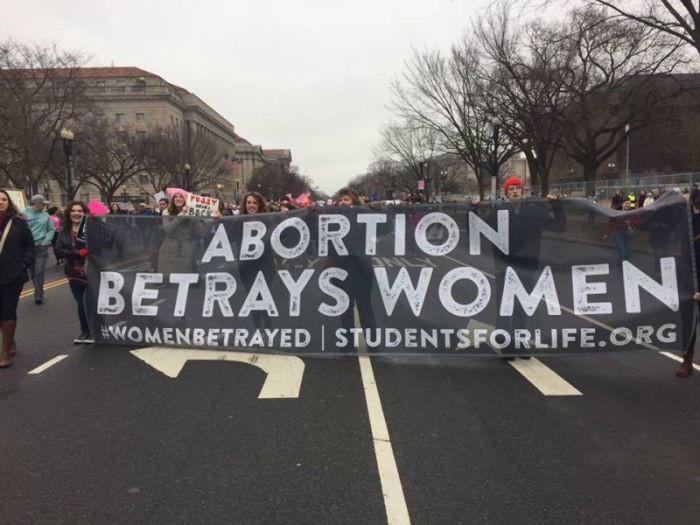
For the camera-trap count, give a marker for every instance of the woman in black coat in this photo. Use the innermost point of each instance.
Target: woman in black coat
(73, 251)
(16, 256)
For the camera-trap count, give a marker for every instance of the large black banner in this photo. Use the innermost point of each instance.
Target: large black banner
(525, 277)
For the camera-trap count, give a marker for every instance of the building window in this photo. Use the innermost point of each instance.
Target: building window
(119, 88)
(141, 135)
(143, 179)
(140, 117)
(119, 118)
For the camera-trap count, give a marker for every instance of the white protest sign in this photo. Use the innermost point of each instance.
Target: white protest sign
(197, 205)
(17, 197)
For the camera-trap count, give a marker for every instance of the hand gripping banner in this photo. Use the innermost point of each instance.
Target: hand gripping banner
(533, 276)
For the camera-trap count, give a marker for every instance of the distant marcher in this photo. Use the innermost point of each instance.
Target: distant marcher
(42, 230)
(74, 251)
(617, 200)
(16, 257)
(622, 229)
(591, 212)
(652, 197)
(56, 222)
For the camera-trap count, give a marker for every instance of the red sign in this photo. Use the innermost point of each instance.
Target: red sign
(421, 184)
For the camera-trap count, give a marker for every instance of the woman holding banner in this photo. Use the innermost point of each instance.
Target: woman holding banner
(686, 367)
(16, 256)
(358, 265)
(253, 204)
(72, 249)
(182, 236)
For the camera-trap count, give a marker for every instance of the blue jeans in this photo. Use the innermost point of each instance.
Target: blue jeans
(41, 252)
(78, 291)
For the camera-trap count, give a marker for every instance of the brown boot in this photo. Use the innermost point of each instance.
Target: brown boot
(13, 343)
(8, 337)
(686, 368)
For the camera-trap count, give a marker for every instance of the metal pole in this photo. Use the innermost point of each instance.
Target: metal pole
(627, 162)
(494, 163)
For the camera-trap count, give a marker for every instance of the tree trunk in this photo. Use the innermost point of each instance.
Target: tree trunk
(590, 172)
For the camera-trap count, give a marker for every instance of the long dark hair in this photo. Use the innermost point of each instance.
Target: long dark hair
(67, 224)
(12, 209)
(262, 206)
(172, 209)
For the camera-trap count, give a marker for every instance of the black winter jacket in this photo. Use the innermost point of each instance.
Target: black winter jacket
(18, 254)
(68, 252)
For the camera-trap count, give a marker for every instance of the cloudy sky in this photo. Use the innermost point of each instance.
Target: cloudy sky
(309, 75)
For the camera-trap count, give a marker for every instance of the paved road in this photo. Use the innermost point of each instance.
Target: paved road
(102, 437)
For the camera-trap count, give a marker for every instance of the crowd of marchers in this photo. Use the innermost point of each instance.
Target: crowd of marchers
(28, 236)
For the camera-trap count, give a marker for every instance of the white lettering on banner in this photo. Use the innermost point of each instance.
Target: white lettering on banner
(219, 246)
(109, 300)
(371, 220)
(221, 297)
(140, 293)
(483, 294)
(582, 289)
(259, 298)
(333, 228)
(183, 281)
(342, 301)
(544, 289)
(295, 288)
(499, 238)
(326, 235)
(666, 291)
(437, 219)
(302, 245)
(402, 284)
(252, 246)
(400, 234)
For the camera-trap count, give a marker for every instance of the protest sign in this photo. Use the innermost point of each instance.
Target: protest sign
(17, 197)
(197, 205)
(500, 278)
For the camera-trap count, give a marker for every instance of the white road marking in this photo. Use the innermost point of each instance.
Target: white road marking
(679, 359)
(535, 371)
(48, 364)
(284, 372)
(544, 378)
(392, 490)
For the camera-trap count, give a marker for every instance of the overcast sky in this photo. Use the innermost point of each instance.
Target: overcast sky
(309, 75)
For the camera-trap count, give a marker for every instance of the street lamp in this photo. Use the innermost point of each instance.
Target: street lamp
(219, 189)
(67, 135)
(496, 123)
(188, 181)
(627, 163)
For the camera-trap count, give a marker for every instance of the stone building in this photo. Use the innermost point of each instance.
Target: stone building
(134, 99)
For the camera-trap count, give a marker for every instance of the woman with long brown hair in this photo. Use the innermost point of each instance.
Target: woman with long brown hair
(73, 251)
(253, 204)
(16, 257)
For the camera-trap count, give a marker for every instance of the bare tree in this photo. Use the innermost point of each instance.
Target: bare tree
(677, 18)
(449, 94)
(528, 68)
(413, 145)
(274, 180)
(173, 148)
(41, 91)
(109, 158)
(619, 75)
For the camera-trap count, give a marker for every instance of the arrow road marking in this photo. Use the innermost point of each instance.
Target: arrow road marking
(284, 372)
